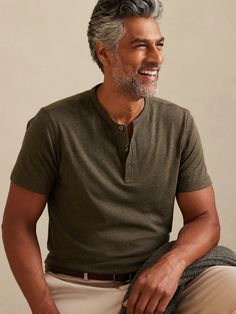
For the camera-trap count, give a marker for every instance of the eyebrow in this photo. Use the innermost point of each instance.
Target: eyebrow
(143, 40)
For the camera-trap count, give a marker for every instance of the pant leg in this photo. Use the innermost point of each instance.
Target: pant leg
(76, 296)
(212, 292)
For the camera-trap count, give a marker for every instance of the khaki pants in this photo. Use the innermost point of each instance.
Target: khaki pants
(213, 292)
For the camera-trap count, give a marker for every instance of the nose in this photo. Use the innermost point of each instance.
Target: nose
(155, 55)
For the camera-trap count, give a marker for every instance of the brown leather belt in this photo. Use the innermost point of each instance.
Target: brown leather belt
(109, 277)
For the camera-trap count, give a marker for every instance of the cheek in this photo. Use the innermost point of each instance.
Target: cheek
(131, 67)
(126, 66)
(131, 61)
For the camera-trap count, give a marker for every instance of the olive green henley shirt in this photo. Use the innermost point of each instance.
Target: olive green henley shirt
(110, 200)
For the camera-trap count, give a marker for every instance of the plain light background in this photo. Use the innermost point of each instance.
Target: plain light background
(45, 56)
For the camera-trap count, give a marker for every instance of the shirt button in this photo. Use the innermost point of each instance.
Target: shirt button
(126, 149)
(121, 127)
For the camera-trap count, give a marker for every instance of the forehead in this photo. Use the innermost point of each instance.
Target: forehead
(141, 27)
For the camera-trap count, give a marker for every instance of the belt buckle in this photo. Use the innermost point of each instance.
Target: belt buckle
(86, 276)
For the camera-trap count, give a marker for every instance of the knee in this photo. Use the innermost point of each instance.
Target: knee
(224, 279)
(223, 282)
(213, 292)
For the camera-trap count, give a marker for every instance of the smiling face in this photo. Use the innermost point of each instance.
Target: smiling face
(135, 64)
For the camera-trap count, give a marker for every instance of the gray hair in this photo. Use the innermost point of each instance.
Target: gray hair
(106, 23)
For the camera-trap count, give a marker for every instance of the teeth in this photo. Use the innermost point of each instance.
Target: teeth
(154, 73)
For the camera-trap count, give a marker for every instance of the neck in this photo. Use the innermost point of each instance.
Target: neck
(120, 107)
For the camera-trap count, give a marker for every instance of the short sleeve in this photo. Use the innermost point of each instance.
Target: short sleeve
(36, 167)
(192, 171)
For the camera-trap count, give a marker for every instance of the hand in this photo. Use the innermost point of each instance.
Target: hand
(154, 288)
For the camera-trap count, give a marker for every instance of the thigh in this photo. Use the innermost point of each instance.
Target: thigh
(80, 298)
(212, 292)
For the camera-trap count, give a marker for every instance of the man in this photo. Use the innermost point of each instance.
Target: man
(110, 162)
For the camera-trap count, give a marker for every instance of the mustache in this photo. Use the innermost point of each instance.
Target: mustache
(150, 65)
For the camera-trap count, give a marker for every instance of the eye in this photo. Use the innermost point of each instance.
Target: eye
(160, 46)
(141, 45)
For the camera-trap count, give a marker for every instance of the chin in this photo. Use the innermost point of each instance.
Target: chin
(149, 92)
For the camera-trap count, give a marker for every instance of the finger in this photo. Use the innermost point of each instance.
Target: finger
(153, 303)
(163, 303)
(142, 302)
(131, 301)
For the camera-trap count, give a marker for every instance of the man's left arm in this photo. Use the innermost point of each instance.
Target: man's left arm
(154, 288)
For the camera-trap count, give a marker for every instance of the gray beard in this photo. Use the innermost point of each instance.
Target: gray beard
(134, 89)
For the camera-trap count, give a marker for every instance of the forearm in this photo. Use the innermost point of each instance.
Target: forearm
(195, 239)
(24, 257)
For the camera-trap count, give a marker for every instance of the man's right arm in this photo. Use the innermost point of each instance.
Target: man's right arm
(23, 209)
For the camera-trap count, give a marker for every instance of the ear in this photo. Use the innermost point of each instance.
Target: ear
(103, 54)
